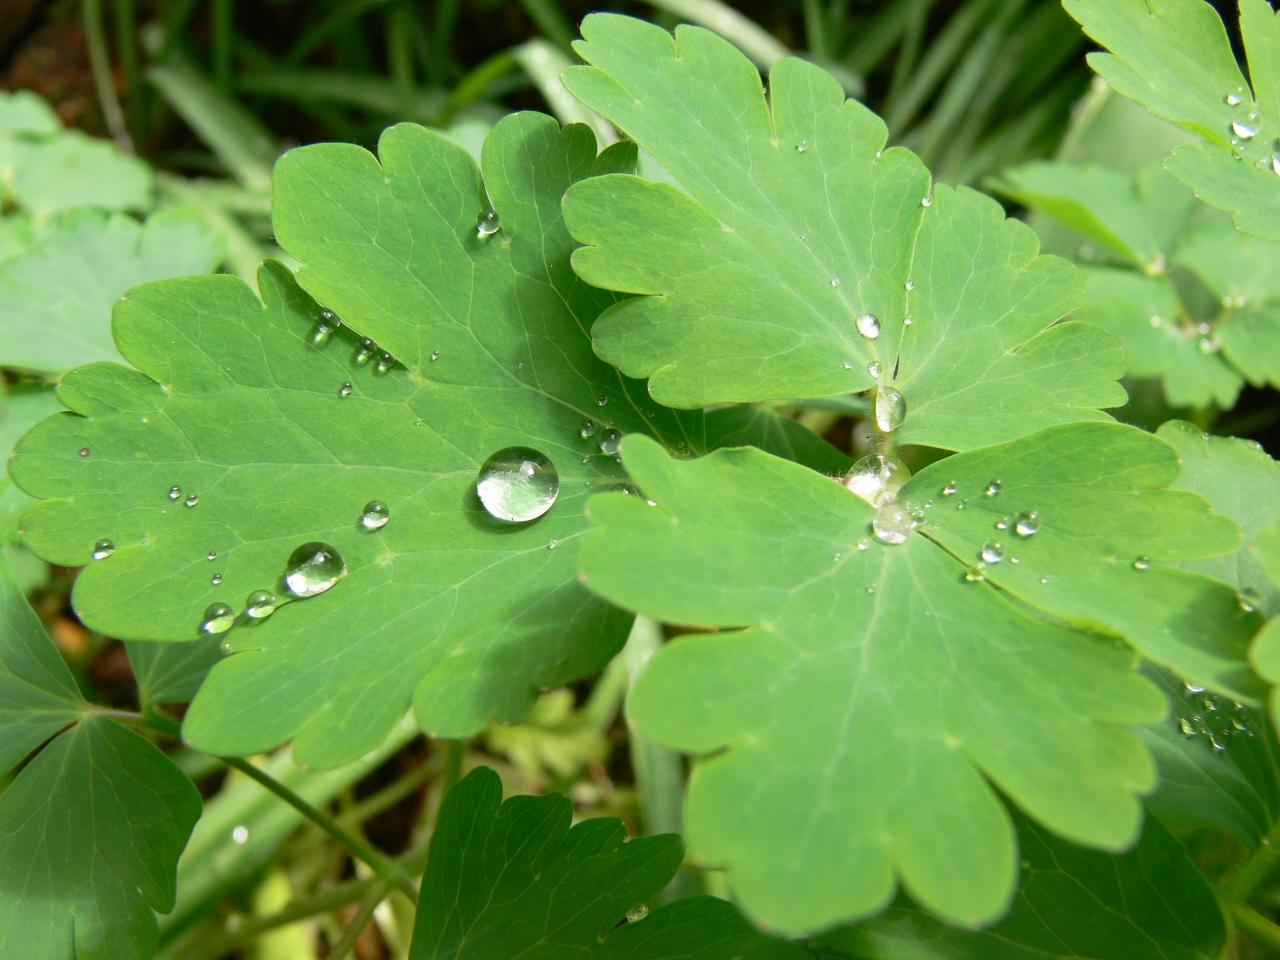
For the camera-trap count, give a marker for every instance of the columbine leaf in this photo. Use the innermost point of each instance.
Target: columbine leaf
(517, 882)
(1150, 903)
(55, 300)
(792, 224)
(79, 880)
(463, 614)
(1174, 57)
(25, 113)
(875, 688)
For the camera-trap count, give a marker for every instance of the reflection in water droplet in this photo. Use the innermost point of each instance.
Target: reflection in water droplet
(876, 478)
(890, 409)
(313, 568)
(892, 523)
(344, 391)
(103, 549)
(218, 618)
(1027, 524)
(260, 604)
(487, 224)
(192, 500)
(1142, 563)
(868, 325)
(517, 484)
(992, 552)
(175, 492)
(374, 516)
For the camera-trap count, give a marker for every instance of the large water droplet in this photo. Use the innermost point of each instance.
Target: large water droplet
(487, 224)
(587, 430)
(1244, 129)
(876, 478)
(610, 441)
(218, 618)
(175, 492)
(1142, 563)
(891, 408)
(313, 568)
(1027, 524)
(517, 484)
(992, 552)
(103, 549)
(260, 604)
(892, 523)
(868, 325)
(364, 352)
(322, 333)
(374, 516)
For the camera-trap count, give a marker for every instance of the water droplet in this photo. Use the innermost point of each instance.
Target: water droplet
(926, 201)
(802, 146)
(1142, 563)
(1244, 129)
(974, 576)
(103, 549)
(435, 355)
(216, 579)
(1193, 688)
(876, 478)
(962, 504)
(908, 320)
(1002, 524)
(322, 332)
(848, 364)
(211, 556)
(892, 523)
(364, 352)
(601, 400)
(175, 492)
(218, 618)
(1015, 560)
(874, 369)
(1233, 99)
(835, 282)
(240, 834)
(1187, 727)
(641, 910)
(890, 410)
(518, 484)
(313, 568)
(863, 545)
(1275, 164)
(1027, 524)
(487, 224)
(374, 516)
(1210, 344)
(344, 391)
(587, 430)
(911, 285)
(84, 452)
(385, 362)
(192, 500)
(868, 325)
(1248, 600)
(992, 552)
(609, 442)
(950, 489)
(260, 604)
(993, 488)
(871, 588)
(1044, 579)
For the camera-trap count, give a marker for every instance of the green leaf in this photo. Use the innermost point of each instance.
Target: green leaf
(69, 170)
(65, 286)
(1151, 903)
(791, 224)
(516, 881)
(171, 672)
(91, 828)
(23, 113)
(462, 614)
(856, 717)
(1174, 57)
(771, 431)
(1139, 218)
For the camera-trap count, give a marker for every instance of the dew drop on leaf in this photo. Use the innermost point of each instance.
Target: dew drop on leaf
(974, 576)
(103, 549)
(868, 325)
(926, 201)
(1044, 579)
(601, 400)
(552, 543)
(1244, 129)
(609, 442)
(911, 285)
(374, 516)
(385, 362)
(211, 556)
(216, 579)
(993, 488)
(876, 478)
(1142, 563)
(344, 391)
(240, 834)
(84, 452)
(192, 500)
(322, 333)
(801, 147)
(487, 224)
(587, 430)
(890, 409)
(1002, 524)
(435, 355)
(874, 369)
(175, 492)
(364, 352)
(260, 604)
(1188, 729)
(218, 618)
(835, 282)
(892, 523)
(950, 489)
(1027, 524)
(1232, 99)
(992, 552)
(517, 484)
(313, 568)
(1248, 600)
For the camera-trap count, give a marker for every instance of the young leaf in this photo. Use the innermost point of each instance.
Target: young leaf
(1150, 903)
(55, 300)
(517, 881)
(798, 254)
(91, 828)
(464, 614)
(873, 671)
(1174, 57)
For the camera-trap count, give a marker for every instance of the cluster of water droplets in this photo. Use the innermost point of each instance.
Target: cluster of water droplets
(1216, 720)
(1246, 125)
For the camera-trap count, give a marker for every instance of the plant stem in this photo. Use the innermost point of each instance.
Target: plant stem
(100, 63)
(351, 934)
(1237, 887)
(1256, 925)
(455, 753)
(384, 866)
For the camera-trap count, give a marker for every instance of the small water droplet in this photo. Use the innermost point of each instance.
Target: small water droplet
(435, 355)
(1210, 344)
(174, 492)
(992, 552)
(344, 391)
(1156, 320)
(1248, 600)
(1193, 688)
(211, 556)
(84, 452)
(103, 549)
(911, 285)
(950, 489)
(218, 618)
(216, 579)
(1244, 129)
(1002, 524)
(1044, 579)
(874, 369)
(908, 320)
(385, 362)
(518, 484)
(487, 224)
(926, 201)
(1187, 727)
(1233, 99)
(863, 545)
(602, 400)
(641, 910)
(892, 523)
(1275, 164)
(890, 409)
(192, 500)
(835, 282)
(364, 352)
(868, 325)
(609, 442)
(374, 516)
(260, 604)
(802, 146)
(962, 504)
(876, 478)
(587, 430)
(993, 488)
(240, 834)
(1027, 524)
(552, 543)
(848, 364)
(313, 568)
(1142, 563)
(974, 575)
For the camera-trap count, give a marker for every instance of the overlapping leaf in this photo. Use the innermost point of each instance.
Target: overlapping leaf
(56, 299)
(516, 881)
(875, 687)
(792, 223)
(463, 614)
(91, 828)
(1174, 57)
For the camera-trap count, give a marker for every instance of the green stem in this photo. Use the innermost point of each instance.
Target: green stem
(351, 934)
(382, 865)
(455, 753)
(1256, 925)
(1238, 886)
(222, 38)
(100, 63)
